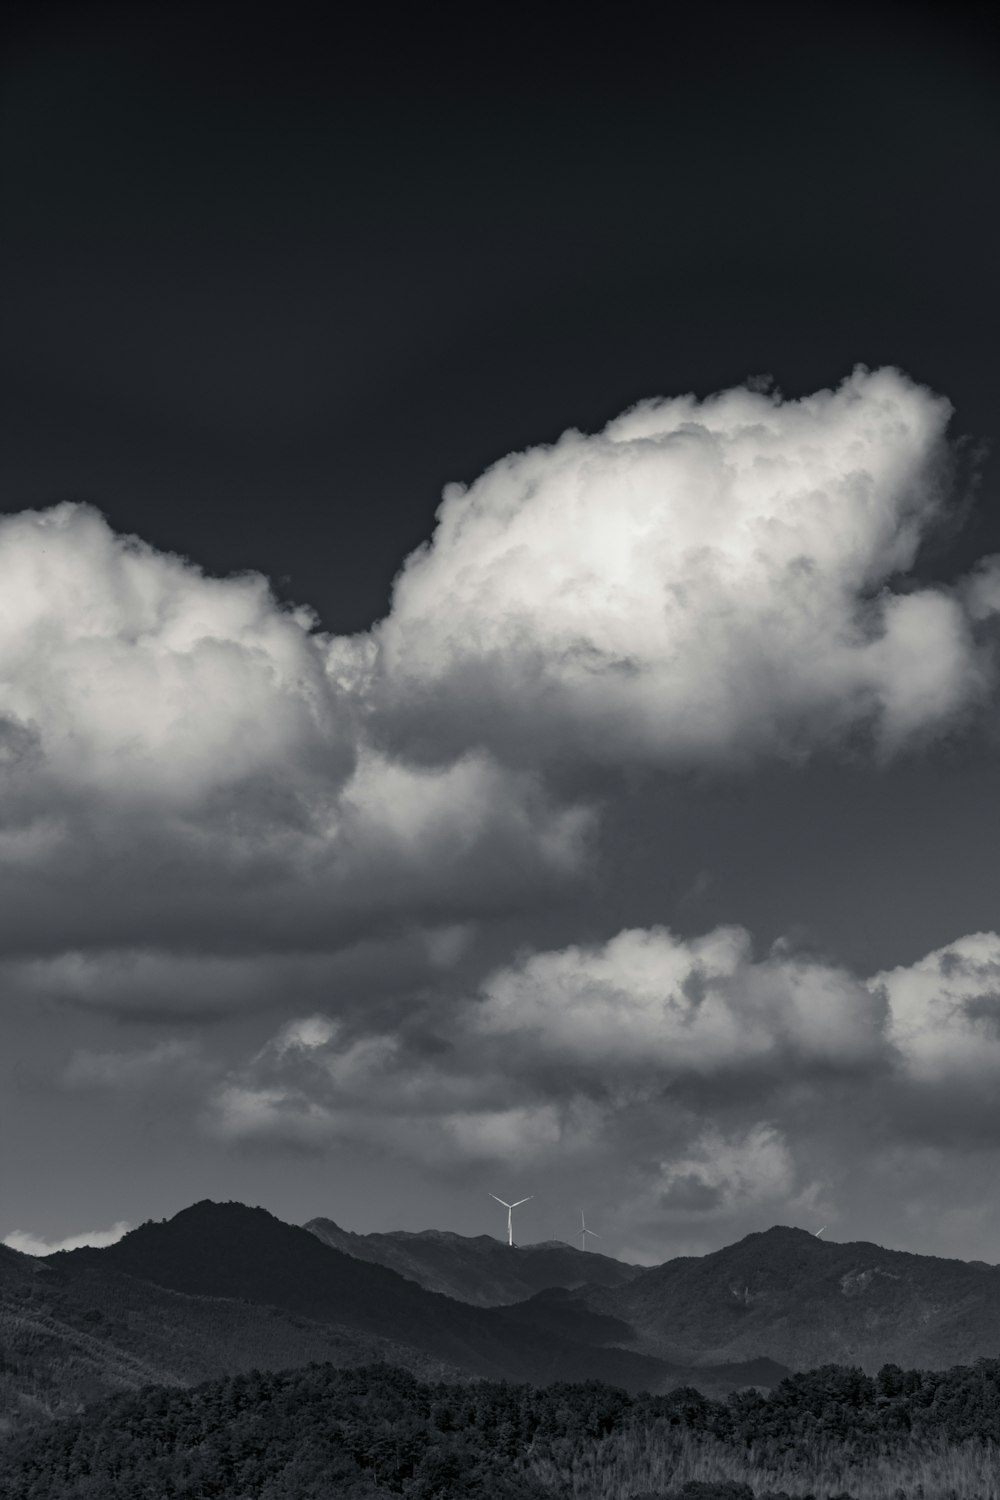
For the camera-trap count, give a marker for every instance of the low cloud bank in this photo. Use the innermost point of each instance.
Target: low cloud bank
(33, 1244)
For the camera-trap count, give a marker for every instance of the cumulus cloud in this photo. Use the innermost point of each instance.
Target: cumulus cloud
(700, 582)
(136, 676)
(945, 1012)
(33, 1244)
(208, 805)
(561, 1051)
(648, 1001)
(182, 776)
(606, 1027)
(191, 773)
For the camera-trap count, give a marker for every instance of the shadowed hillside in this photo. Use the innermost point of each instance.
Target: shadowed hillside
(225, 1250)
(71, 1336)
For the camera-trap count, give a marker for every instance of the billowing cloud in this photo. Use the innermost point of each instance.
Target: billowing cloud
(200, 790)
(181, 776)
(210, 806)
(700, 582)
(33, 1244)
(945, 1012)
(650, 1002)
(130, 675)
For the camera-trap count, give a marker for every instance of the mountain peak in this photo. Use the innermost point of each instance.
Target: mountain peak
(782, 1232)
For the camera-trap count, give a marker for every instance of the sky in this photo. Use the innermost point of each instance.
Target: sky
(499, 622)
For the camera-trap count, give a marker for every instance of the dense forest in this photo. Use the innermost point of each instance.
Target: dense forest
(322, 1433)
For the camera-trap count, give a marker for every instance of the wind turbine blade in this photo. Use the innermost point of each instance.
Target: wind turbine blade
(521, 1200)
(500, 1200)
(594, 1233)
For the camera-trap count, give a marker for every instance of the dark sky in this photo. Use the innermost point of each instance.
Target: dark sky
(270, 283)
(302, 276)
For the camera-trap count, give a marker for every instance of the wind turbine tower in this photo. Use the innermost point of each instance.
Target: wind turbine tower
(584, 1231)
(510, 1207)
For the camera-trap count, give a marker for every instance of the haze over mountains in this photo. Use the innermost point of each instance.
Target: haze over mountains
(223, 1288)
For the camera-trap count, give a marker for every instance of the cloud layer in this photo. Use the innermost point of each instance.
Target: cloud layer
(210, 808)
(730, 1085)
(189, 770)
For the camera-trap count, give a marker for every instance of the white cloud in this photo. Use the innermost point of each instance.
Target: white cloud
(709, 1091)
(33, 1244)
(945, 1012)
(723, 1174)
(652, 1003)
(183, 780)
(702, 581)
(140, 677)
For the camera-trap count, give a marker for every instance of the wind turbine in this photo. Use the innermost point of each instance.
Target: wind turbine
(510, 1207)
(584, 1231)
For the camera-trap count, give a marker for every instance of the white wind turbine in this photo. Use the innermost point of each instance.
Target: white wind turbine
(584, 1231)
(510, 1207)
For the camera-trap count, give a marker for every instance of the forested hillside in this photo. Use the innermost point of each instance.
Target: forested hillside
(374, 1433)
(803, 1301)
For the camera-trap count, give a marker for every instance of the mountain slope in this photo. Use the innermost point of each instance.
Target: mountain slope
(229, 1251)
(791, 1297)
(69, 1336)
(477, 1269)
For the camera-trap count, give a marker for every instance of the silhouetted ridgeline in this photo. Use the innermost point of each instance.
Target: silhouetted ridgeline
(321, 1432)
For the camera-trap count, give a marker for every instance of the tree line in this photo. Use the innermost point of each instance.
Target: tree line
(375, 1432)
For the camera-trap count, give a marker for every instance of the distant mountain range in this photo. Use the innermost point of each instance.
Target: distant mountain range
(805, 1302)
(222, 1288)
(480, 1270)
(784, 1295)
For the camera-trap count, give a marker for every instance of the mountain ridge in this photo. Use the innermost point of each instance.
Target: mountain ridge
(785, 1294)
(231, 1251)
(478, 1269)
(224, 1288)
